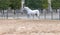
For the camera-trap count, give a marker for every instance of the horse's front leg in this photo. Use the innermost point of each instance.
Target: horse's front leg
(33, 16)
(28, 15)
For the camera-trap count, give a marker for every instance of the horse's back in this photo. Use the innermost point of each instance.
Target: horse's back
(36, 11)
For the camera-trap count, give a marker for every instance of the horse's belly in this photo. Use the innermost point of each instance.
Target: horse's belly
(32, 12)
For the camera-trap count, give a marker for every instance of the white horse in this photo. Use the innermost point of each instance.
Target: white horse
(32, 12)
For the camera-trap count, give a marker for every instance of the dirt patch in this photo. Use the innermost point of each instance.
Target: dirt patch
(29, 27)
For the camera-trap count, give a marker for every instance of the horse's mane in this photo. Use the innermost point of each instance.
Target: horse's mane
(27, 8)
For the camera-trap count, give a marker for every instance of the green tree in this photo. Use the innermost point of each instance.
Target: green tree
(55, 4)
(15, 4)
(4, 4)
(44, 4)
(35, 4)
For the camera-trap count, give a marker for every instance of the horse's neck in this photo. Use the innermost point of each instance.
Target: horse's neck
(28, 9)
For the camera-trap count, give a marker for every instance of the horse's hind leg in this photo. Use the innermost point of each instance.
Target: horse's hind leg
(38, 15)
(28, 15)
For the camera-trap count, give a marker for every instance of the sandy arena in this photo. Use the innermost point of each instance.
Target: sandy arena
(29, 27)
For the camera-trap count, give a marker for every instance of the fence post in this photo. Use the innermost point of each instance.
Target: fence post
(7, 14)
(59, 14)
(44, 12)
(52, 15)
(3, 13)
(39, 13)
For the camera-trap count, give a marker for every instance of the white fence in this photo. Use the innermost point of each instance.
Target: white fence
(44, 14)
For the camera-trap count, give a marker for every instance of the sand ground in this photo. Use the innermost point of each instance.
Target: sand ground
(29, 27)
